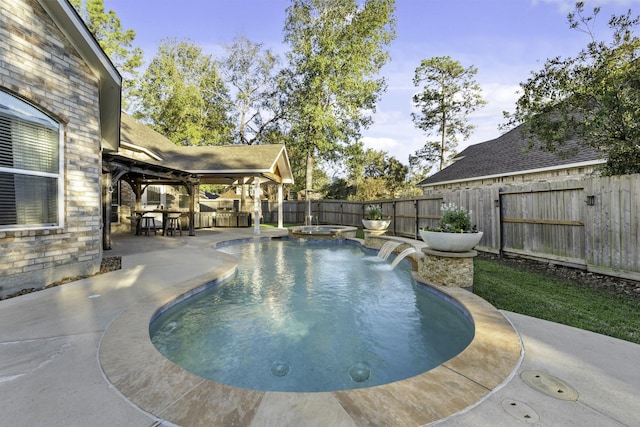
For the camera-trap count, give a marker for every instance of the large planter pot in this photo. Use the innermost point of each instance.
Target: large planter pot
(451, 242)
(376, 224)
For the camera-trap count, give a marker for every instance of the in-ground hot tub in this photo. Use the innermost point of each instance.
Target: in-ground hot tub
(322, 232)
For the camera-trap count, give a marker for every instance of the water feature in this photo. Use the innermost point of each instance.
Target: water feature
(311, 317)
(387, 249)
(402, 256)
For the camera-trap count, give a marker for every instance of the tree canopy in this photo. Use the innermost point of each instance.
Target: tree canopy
(183, 97)
(318, 103)
(337, 50)
(370, 175)
(257, 103)
(116, 42)
(592, 98)
(448, 96)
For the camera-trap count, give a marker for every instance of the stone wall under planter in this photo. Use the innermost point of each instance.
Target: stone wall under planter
(447, 268)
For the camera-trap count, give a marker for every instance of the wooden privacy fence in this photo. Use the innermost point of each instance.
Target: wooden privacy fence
(592, 223)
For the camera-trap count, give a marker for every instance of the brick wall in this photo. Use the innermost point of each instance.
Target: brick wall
(41, 66)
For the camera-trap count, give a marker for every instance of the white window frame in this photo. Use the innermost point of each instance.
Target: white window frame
(24, 110)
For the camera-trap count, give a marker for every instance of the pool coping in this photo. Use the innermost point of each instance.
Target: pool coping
(156, 385)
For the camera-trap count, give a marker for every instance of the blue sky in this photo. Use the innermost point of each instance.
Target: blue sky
(504, 39)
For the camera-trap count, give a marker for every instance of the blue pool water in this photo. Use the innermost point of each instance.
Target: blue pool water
(309, 317)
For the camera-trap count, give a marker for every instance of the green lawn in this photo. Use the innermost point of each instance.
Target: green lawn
(558, 300)
(275, 225)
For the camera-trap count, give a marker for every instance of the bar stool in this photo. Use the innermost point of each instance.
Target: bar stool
(173, 223)
(148, 221)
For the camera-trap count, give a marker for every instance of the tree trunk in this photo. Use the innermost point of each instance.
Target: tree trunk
(444, 138)
(309, 179)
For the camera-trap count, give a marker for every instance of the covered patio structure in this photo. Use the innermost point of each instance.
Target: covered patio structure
(145, 157)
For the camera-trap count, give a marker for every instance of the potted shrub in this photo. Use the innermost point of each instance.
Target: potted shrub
(373, 219)
(454, 233)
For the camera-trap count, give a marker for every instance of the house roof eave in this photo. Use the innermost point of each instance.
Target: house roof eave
(523, 172)
(134, 147)
(110, 80)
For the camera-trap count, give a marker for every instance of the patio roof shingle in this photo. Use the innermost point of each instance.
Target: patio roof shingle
(211, 162)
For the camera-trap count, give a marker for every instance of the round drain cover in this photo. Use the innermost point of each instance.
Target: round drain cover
(280, 368)
(359, 372)
(549, 385)
(520, 410)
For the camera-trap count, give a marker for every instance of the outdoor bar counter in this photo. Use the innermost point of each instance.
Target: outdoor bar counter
(232, 219)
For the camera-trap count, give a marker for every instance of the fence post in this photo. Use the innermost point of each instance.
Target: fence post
(394, 217)
(416, 230)
(500, 223)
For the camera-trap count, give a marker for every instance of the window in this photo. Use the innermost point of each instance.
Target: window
(183, 198)
(30, 166)
(153, 196)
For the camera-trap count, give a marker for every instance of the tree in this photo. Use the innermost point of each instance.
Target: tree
(418, 170)
(337, 50)
(116, 42)
(338, 189)
(378, 165)
(592, 98)
(258, 104)
(448, 96)
(424, 158)
(183, 97)
(373, 174)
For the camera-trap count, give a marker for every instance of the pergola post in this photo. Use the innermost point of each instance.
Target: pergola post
(280, 205)
(192, 189)
(137, 189)
(243, 195)
(106, 210)
(256, 206)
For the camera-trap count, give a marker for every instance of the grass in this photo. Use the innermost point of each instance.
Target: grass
(557, 300)
(275, 225)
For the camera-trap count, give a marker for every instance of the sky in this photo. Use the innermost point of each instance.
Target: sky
(505, 40)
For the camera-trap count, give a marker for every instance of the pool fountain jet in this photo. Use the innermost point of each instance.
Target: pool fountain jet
(309, 217)
(387, 249)
(402, 256)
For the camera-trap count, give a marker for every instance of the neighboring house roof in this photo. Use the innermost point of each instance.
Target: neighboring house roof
(212, 163)
(110, 81)
(508, 155)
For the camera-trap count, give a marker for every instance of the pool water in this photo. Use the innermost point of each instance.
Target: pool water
(311, 317)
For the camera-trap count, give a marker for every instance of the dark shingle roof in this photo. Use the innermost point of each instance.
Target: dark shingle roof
(508, 155)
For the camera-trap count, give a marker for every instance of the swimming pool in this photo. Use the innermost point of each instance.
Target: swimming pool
(310, 317)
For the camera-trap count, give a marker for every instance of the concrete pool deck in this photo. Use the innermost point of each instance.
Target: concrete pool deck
(64, 349)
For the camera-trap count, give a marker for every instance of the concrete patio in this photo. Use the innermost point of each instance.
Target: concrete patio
(50, 372)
